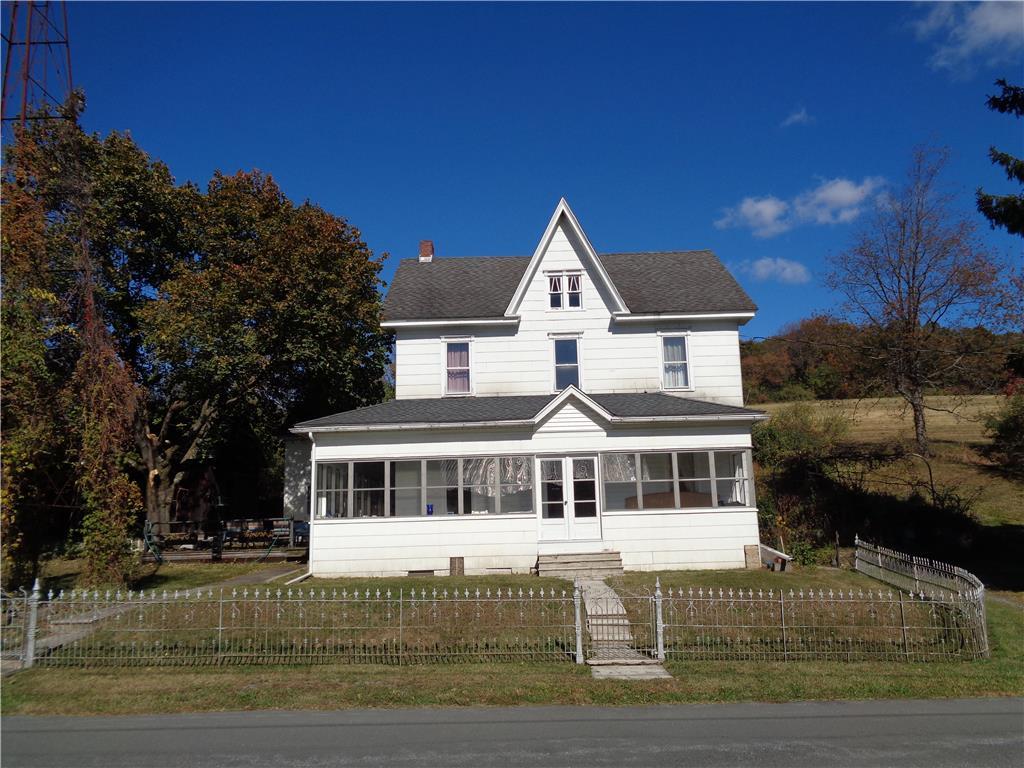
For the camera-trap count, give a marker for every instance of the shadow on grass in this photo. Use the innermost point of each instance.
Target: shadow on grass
(917, 527)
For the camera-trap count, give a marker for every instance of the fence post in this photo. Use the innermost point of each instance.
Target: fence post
(782, 614)
(29, 654)
(577, 599)
(659, 621)
(401, 645)
(903, 627)
(220, 625)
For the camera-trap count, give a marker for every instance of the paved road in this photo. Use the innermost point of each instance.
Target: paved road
(981, 732)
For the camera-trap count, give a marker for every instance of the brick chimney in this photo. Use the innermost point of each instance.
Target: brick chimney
(426, 251)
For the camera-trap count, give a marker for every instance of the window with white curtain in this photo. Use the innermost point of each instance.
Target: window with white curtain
(679, 480)
(565, 290)
(676, 366)
(457, 364)
(730, 479)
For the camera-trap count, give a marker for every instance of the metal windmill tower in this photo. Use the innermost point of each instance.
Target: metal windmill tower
(37, 59)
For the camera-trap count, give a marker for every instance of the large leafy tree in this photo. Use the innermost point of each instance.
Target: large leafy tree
(916, 267)
(1005, 211)
(153, 327)
(275, 318)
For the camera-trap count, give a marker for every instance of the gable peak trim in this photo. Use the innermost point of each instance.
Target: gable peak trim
(563, 210)
(571, 393)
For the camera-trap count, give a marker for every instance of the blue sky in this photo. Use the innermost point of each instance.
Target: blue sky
(761, 131)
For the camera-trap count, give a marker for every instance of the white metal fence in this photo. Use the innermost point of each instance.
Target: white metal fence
(930, 621)
(820, 624)
(260, 626)
(915, 574)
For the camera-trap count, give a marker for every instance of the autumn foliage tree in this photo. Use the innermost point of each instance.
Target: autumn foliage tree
(152, 330)
(915, 268)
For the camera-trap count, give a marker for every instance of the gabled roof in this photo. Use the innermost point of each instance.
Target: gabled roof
(428, 413)
(688, 282)
(491, 287)
(589, 256)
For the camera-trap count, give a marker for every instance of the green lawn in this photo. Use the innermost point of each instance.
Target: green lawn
(60, 574)
(642, 582)
(85, 691)
(504, 582)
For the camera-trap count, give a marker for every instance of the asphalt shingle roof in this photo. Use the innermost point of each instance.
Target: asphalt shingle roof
(482, 286)
(464, 410)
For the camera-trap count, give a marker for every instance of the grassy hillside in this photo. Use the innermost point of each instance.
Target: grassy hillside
(991, 539)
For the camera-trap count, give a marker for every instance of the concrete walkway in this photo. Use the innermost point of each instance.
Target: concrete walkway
(613, 654)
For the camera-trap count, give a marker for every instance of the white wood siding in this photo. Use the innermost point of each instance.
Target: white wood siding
(614, 357)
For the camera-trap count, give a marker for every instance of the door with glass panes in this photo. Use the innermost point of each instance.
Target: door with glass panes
(568, 499)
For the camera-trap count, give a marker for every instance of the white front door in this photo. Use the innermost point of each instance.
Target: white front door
(568, 499)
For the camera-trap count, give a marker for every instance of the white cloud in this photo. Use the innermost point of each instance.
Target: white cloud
(766, 216)
(833, 201)
(779, 270)
(990, 32)
(797, 117)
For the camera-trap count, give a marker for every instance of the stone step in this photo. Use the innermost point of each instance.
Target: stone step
(624, 660)
(578, 557)
(582, 573)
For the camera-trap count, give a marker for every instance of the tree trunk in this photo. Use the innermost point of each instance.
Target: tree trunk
(916, 400)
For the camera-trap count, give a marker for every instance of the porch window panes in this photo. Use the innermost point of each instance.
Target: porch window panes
(676, 373)
(516, 490)
(555, 291)
(332, 490)
(730, 479)
(368, 485)
(567, 364)
(584, 488)
(694, 480)
(478, 491)
(443, 486)
(405, 489)
(457, 362)
(656, 481)
(574, 291)
(619, 476)
(552, 490)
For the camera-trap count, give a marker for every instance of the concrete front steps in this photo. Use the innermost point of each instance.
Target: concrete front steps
(598, 565)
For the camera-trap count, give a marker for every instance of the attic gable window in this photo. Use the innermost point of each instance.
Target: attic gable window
(565, 290)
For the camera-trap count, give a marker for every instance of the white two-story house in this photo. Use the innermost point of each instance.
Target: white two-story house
(568, 402)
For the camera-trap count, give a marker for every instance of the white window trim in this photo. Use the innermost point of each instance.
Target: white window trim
(578, 337)
(564, 275)
(685, 335)
(445, 341)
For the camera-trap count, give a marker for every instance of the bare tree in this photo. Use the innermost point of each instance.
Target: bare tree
(915, 268)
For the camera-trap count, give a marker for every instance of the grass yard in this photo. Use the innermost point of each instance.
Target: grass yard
(60, 574)
(138, 690)
(642, 582)
(504, 582)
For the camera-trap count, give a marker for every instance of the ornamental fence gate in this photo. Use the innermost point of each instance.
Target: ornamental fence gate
(941, 616)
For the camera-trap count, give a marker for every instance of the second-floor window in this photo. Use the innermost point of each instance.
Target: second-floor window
(457, 364)
(565, 290)
(675, 363)
(567, 363)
